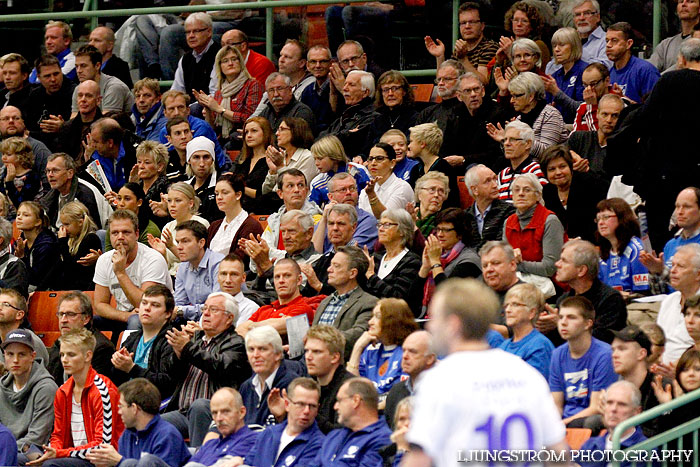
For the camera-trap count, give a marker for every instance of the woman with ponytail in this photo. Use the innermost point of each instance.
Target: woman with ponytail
(37, 246)
(79, 247)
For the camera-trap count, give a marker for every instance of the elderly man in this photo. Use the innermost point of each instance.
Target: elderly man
(26, 393)
(125, 272)
(116, 96)
(363, 432)
(596, 83)
(15, 74)
(418, 356)
(65, 187)
(147, 113)
(473, 50)
(12, 124)
(592, 145)
(57, 40)
(13, 272)
(354, 126)
(578, 267)
(587, 23)
(324, 353)
(282, 103)
(634, 76)
(13, 316)
(444, 417)
(517, 144)
(287, 282)
(685, 279)
(258, 65)
(102, 38)
(299, 436)
(351, 56)
(73, 134)
(48, 105)
(622, 401)
(266, 357)
(204, 362)
(75, 311)
(234, 440)
(488, 214)
(107, 144)
(348, 308)
(499, 271)
(195, 67)
(317, 95)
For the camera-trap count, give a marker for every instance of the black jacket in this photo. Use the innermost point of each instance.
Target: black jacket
(79, 192)
(118, 68)
(40, 105)
(493, 223)
(74, 276)
(258, 412)
(327, 417)
(476, 145)
(101, 357)
(43, 261)
(445, 114)
(360, 118)
(14, 274)
(402, 282)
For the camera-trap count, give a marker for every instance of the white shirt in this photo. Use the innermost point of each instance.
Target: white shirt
(456, 412)
(670, 319)
(394, 193)
(385, 267)
(268, 382)
(77, 427)
(221, 243)
(246, 308)
(148, 266)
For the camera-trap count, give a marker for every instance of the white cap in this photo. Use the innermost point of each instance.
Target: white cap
(200, 143)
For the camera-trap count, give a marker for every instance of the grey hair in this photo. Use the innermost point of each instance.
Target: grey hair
(406, 225)
(493, 244)
(533, 181)
(230, 304)
(453, 64)
(432, 175)
(586, 254)
(578, 3)
(360, 49)
(614, 97)
(265, 335)
(694, 249)
(471, 178)
(690, 50)
(5, 232)
(635, 393)
(529, 46)
(305, 221)
(569, 36)
(366, 80)
(336, 178)
(276, 74)
(202, 17)
(529, 83)
(470, 75)
(68, 161)
(345, 209)
(526, 132)
(320, 47)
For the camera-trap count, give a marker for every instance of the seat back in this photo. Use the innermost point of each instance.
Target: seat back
(575, 437)
(42, 310)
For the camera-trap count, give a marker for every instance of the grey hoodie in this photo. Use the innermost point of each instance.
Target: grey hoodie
(29, 413)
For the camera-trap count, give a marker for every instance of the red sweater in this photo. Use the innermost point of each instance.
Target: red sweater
(529, 239)
(296, 307)
(100, 404)
(259, 66)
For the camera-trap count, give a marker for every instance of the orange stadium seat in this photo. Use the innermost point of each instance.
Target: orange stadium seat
(262, 219)
(42, 311)
(422, 92)
(575, 437)
(465, 198)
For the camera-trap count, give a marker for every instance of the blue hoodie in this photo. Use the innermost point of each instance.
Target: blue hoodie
(159, 438)
(300, 452)
(344, 447)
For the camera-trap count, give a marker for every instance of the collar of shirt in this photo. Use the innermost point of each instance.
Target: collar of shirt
(336, 297)
(197, 56)
(685, 235)
(204, 262)
(268, 382)
(478, 213)
(63, 54)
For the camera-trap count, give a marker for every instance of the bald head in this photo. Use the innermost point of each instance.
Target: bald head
(88, 98)
(235, 38)
(227, 410)
(102, 38)
(418, 353)
(11, 122)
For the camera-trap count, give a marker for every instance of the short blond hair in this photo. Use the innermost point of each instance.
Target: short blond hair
(428, 133)
(80, 337)
(330, 336)
(21, 148)
(156, 150)
(148, 83)
(330, 147)
(530, 295)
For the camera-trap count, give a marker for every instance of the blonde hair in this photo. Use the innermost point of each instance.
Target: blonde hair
(38, 211)
(21, 149)
(220, 55)
(75, 211)
(330, 147)
(530, 295)
(187, 190)
(430, 134)
(80, 337)
(157, 151)
(393, 132)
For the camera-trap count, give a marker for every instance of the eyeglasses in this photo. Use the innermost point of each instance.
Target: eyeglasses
(7, 304)
(350, 60)
(67, 314)
(303, 405)
(347, 189)
(509, 139)
(386, 225)
(444, 229)
(468, 91)
(54, 171)
(433, 190)
(376, 158)
(388, 89)
(195, 31)
(225, 61)
(212, 310)
(517, 96)
(584, 14)
(277, 90)
(470, 23)
(604, 217)
(523, 56)
(318, 62)
(592, 83)
(440, 79)
(283, 128)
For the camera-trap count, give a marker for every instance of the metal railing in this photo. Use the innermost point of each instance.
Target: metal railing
(663, 439)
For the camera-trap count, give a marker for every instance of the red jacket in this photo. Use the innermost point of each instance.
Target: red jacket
(296, 307)
(100, 404)
(529, 239)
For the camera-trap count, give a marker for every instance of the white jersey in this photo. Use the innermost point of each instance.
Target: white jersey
(483, 400)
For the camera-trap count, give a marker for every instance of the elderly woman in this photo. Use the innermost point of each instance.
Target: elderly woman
(445, 254)
(525, 55)
(534, 232)
(404, 165)
(294, 138)
(237, 94)
(384, 190)
(431, 192)
(20, 181)
(565, 85)
(377, 353)
(394, 102)
(527, 95)
(618, 238)
(149, 172)
(571, 195)
(330, 158)
(393, 273)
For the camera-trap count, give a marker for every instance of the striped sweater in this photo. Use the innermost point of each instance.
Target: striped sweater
(507, 175)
